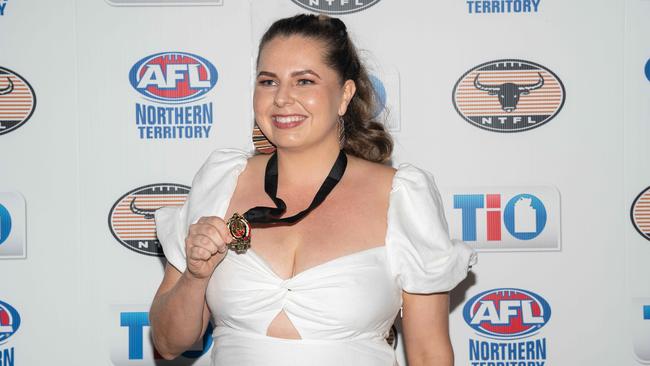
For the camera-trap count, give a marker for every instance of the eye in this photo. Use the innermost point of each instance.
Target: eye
(305, 82)
(266, 82)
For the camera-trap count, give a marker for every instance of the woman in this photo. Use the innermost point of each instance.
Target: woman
(326, 289)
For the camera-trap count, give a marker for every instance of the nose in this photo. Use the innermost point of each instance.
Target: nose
(283, 95)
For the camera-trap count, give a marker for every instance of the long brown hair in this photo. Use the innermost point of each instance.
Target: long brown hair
(365, 137)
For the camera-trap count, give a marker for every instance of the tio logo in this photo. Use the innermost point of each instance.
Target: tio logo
(380, 93)
(505, 218)
(5, 224)
(524, 215)
(640, 312)
(12, 225)
(647, 70)
(386, 86)
(136, 322)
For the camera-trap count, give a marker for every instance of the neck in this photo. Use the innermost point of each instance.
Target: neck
(306, 167)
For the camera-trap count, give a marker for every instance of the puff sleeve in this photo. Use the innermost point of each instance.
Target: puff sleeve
(421, 255)
(212, 188)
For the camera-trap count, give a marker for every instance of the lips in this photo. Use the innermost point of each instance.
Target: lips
(288, 121)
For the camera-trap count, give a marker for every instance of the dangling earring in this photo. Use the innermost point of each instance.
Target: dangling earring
(341, 131)
(261, 143)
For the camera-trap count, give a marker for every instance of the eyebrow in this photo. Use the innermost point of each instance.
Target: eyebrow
(293, 74)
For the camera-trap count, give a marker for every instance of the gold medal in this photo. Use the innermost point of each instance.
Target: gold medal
(240, 230)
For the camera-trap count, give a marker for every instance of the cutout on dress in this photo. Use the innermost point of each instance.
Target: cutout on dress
(282, 327)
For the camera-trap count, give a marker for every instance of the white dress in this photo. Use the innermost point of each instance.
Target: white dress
(343, 308)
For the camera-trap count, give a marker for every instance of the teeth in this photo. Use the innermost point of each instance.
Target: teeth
(288, 119)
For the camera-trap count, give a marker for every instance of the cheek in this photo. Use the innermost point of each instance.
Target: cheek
(260, 101)
(318, 100)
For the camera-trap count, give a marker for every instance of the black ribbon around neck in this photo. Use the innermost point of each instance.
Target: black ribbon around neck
(271, 215)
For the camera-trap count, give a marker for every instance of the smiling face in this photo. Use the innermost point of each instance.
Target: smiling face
(298, 98)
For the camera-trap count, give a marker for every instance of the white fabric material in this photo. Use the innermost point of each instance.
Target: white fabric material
(343, 308)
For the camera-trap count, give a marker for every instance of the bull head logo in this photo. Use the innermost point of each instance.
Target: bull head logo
(508, 93)
(8, 89)
(146, 212)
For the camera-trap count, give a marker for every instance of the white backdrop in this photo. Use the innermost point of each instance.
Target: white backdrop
(82, 295)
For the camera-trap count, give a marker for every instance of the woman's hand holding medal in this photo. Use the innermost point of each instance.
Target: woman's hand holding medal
(206, 245)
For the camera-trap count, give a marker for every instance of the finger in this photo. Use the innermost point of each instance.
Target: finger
(221, 228)
(208, 230)
(202, 241)
(199, 253)
(203, 219)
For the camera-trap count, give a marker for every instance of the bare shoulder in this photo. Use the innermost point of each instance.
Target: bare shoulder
(254, 167)
(368, 173)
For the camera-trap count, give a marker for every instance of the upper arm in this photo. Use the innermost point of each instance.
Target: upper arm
(425, 325)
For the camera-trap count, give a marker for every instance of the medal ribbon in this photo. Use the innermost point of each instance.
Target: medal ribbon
(268, 215)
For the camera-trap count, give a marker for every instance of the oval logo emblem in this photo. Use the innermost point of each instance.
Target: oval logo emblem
(506, 313)
(17, 101)
(173, 77)
(131, 219)
(9, 321)
(508, 95)
(640, 213)
(336, 6)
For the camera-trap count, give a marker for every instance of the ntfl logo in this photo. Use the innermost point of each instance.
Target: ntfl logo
(131, 219)
(508, 95)
(17, 101)
(525, 218)
(173, 77)
(640, 213)
(336, 7)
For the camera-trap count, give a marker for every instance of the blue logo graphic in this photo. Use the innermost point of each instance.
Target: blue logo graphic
(9, 321)
(647, 70)
(646, 312)
(136, 321)
(511, 215)
(5, 224)
(380, 92)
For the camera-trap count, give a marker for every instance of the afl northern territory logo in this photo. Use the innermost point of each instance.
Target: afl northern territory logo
(508, 95)
(9, 321)
(335, 6)
(17, 100)
(131, 219)
(640, 213)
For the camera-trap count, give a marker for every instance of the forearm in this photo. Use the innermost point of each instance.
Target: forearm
(177, 316)
(432, 358)
(426, 329)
